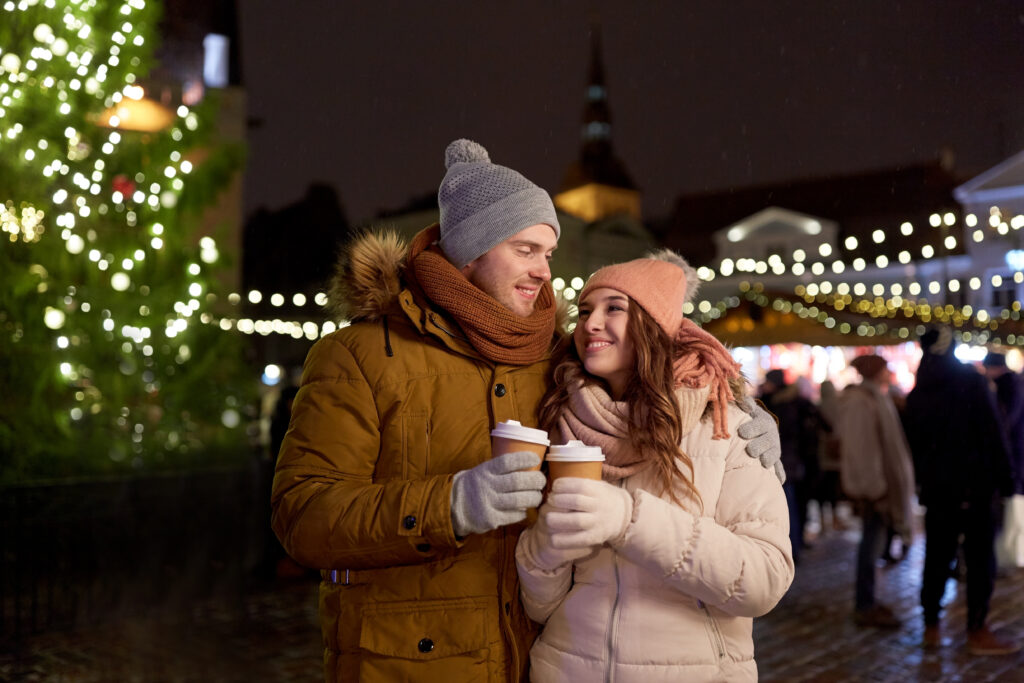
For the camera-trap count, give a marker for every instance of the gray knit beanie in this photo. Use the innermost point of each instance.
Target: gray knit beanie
(483, 204)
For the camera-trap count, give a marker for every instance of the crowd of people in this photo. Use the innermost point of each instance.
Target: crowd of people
(953, 445)
(444, 559)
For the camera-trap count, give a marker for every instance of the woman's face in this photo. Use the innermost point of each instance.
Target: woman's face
(602, 340)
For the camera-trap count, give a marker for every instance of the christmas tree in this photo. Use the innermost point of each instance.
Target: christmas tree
(112, 356)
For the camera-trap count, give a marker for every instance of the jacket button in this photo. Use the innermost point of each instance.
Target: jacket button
(499, 390)
(409, 522)
(425, 645)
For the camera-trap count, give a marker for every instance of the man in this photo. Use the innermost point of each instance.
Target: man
(877, 474)
(962, 467)
(385, 478)
(1010, 400)
(799, 423)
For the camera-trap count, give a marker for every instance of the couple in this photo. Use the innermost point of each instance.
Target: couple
(385, 479)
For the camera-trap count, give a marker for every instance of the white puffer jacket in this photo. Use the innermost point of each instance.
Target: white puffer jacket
(676, 600)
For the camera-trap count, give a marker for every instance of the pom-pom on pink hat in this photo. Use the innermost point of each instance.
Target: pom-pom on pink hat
(660, 283)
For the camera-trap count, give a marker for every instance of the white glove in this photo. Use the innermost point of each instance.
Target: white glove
(762, 435)
(496, 493)
(592, 513)
(535, 545)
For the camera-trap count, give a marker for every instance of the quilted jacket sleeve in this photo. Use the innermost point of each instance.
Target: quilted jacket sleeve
(737, 557)
(327, 509)
(542, 591)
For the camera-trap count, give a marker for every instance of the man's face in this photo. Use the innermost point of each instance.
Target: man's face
(514, 271)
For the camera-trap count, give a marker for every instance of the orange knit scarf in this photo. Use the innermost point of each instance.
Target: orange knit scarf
(498, 334)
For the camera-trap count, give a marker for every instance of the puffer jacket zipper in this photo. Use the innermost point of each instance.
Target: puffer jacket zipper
(716, 635)
(613, 627)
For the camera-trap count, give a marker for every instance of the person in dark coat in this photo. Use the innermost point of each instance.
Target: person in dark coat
(799, 422)
(1010, 399)
(276, 563)
(963, 468)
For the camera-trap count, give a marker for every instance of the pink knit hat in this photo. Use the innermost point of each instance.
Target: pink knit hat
(661, 283)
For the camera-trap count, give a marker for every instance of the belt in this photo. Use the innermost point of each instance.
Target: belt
(341, 577)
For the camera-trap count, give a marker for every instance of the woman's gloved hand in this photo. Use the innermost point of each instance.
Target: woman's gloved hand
(585, 512)
(535, 546)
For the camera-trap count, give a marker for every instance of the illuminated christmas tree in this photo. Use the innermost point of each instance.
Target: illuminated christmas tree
(111, 355)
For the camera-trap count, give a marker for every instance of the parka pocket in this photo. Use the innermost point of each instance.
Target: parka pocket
(714, 633)
(441, 640)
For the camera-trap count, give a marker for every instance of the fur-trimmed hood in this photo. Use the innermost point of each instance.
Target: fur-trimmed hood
(368, 276)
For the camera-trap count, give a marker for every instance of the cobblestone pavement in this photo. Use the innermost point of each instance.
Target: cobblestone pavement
(810, 635)
(271, 634)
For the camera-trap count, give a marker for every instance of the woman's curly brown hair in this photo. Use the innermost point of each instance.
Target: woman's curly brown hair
(655, 424)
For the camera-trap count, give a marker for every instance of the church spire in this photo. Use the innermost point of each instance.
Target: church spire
(597, 118)
(597, 185)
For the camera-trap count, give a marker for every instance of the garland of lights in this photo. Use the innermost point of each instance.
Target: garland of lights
(838, 297)
(919, 312)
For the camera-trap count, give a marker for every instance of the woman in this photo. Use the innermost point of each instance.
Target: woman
(877, 473)
(656, 572)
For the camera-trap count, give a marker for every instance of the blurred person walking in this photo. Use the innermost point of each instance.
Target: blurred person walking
(1010, 400)
(798, 434)
(829, 489)
(963, 468)
(877, 474)
(1009, 392)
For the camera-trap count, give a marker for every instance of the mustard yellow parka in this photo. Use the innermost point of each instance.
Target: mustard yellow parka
(389, 409)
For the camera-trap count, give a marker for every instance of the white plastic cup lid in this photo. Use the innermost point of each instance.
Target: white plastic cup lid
(510, 429)
(575, 451)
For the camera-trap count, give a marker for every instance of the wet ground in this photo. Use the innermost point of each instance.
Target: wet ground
(269, 633)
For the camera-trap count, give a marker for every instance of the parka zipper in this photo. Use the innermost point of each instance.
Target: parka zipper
(613, 627)
(716, 635)
(387, 338)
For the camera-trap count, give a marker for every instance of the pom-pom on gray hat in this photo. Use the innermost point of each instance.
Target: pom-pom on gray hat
(483, 204)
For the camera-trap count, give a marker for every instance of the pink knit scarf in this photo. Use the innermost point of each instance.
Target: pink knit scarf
(705, 361)
(594, 418)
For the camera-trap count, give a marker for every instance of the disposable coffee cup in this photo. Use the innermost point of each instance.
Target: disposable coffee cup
(510, 436)
(575, 459)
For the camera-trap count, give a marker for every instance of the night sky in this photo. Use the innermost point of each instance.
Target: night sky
(704, 94)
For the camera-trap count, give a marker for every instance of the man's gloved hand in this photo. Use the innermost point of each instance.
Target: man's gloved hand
(762, 435)
(536, 548)
(495, 493)
(585, 512)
